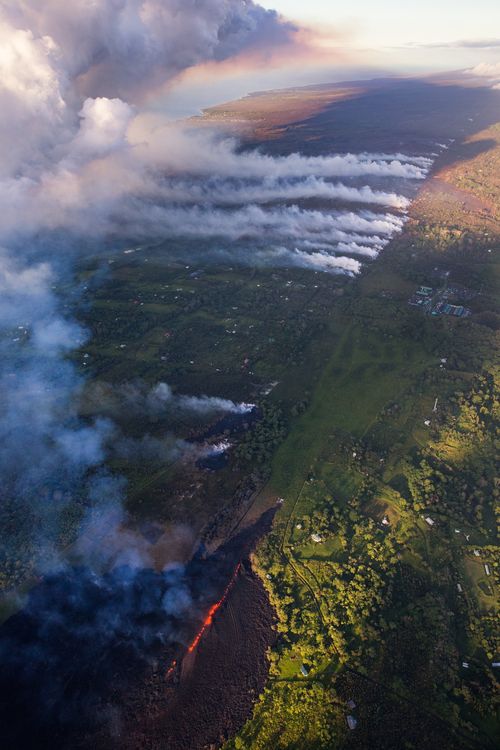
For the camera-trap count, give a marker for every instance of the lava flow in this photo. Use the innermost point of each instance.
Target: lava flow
(213, 609)
(208, 619)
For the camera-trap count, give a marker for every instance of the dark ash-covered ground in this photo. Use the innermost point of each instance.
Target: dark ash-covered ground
(213, 691)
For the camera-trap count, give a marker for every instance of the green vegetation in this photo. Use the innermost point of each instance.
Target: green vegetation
(383, 563)
(259, 444)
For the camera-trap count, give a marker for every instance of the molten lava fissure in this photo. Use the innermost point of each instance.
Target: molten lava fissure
(208, 619)
(213, 609)
(196, 711)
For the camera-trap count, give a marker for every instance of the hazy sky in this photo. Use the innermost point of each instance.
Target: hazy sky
(393, 22)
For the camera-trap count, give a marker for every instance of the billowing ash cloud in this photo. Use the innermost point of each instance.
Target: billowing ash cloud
(81, 161)
(104, 176)
(122, 47)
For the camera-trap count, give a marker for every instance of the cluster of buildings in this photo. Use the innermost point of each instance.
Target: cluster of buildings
(422, 298)
(444, 308)
(436, 303)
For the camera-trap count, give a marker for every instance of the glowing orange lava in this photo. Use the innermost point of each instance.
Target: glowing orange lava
(208, 619)
(213, 609)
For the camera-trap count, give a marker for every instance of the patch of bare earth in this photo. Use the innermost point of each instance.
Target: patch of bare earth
(266, 115)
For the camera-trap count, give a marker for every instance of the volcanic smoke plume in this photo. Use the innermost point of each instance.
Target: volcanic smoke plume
(62, 190)
(97, 166)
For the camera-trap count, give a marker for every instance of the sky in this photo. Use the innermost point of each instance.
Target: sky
(393, 23)
(398, 37)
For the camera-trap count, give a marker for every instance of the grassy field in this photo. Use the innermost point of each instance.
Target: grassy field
(366, 371)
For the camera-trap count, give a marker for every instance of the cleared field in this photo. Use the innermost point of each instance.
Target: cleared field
(357, 382)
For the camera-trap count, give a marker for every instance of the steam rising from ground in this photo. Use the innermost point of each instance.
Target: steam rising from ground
(228, 191)
(161, 398)
(136, 399)
(157, 405)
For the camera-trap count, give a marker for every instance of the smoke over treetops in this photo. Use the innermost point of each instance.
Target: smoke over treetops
(136, 399)
(98, 164)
